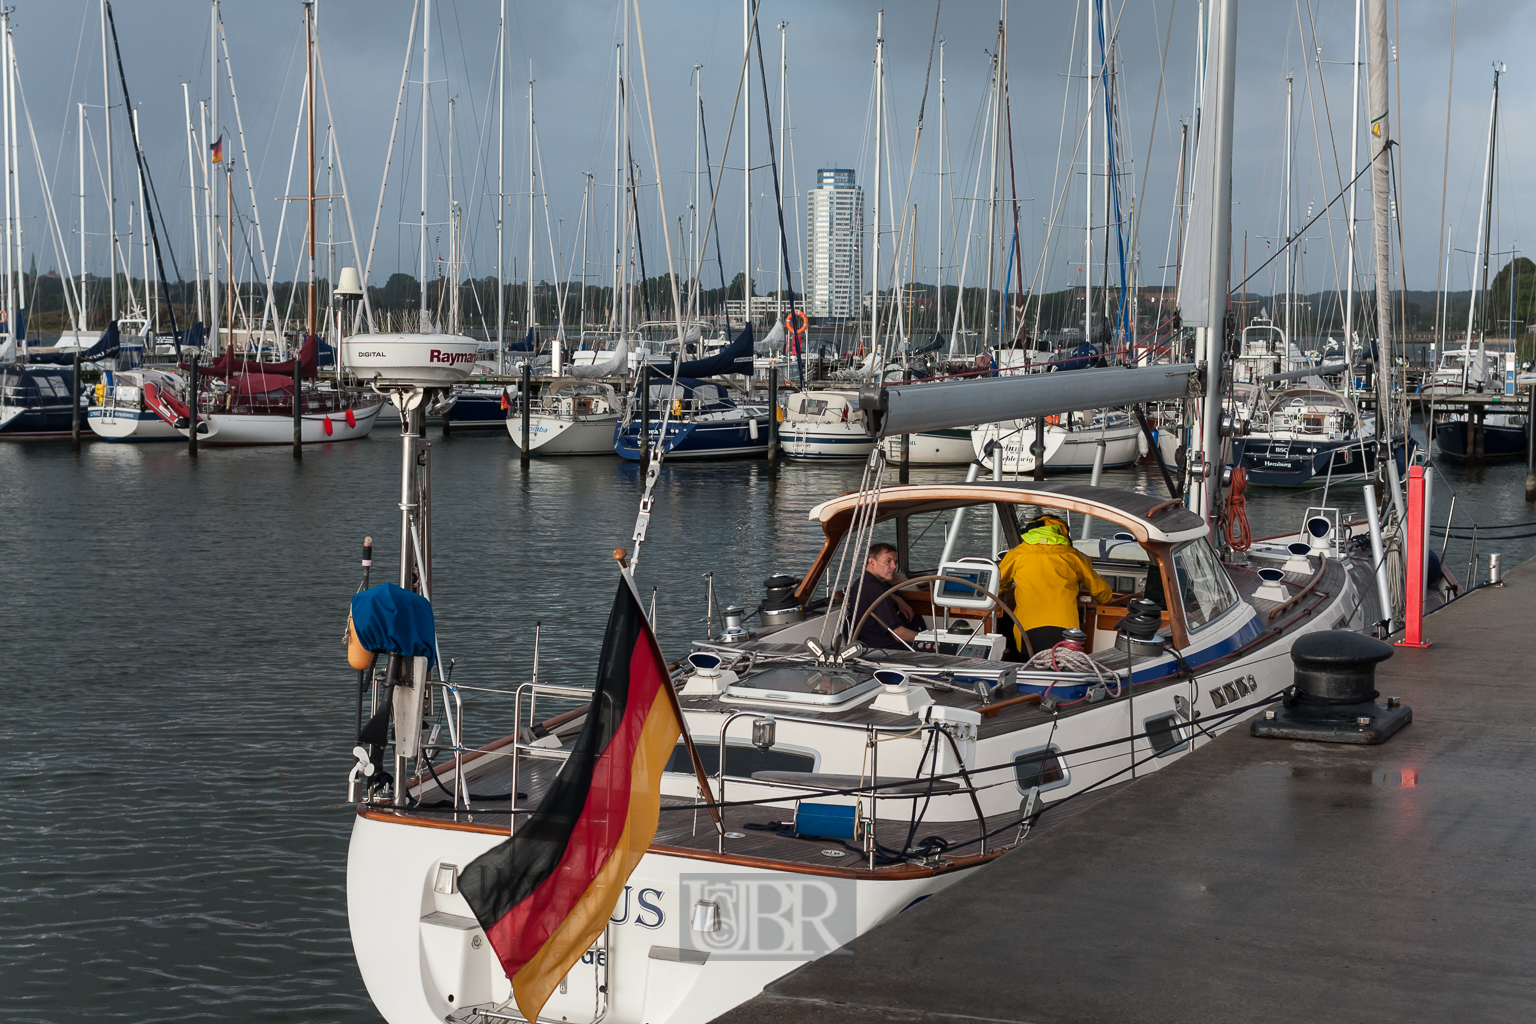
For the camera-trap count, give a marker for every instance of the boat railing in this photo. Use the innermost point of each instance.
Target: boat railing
(874, 735)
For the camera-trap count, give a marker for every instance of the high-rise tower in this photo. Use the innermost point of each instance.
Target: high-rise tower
(834, 273)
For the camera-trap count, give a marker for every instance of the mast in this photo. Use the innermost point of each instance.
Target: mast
(1381, 211)
(874, 292)
(1290, 265)
(451, 279)
(1484, 208)
(197, 251)
(693, 232)
(1354, 156)
(6, 85)
(106, 102)
(1209, 346)
(618, 151)
(213, 205)
(309, 177)
(553, 369)
(84, 320)
(992, 186)
(783, 77)
(746, 166)
(586, 226)
(501, 196)
(425, 320)
(938, 319)
(1088, 186)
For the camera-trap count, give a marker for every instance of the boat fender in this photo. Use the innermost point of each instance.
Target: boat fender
(358, 656)
(351, 419)
(1141, 445)
(752, 428)
(329, 430)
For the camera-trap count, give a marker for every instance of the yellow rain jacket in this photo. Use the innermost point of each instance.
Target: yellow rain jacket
(1045, 573)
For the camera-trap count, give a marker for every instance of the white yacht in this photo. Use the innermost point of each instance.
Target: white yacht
(824, 426)
(571, 417)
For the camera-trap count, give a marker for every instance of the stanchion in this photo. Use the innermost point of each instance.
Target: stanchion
(1415, 558)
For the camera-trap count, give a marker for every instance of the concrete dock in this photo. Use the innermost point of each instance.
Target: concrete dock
(1256, 880)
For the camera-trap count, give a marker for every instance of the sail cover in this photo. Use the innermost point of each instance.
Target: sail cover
(734, 358)
(614, 365)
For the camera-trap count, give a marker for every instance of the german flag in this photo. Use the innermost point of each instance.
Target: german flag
(218, 150)
(545, 895)
(506, 401)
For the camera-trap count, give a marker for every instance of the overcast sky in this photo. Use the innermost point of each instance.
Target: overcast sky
(570, 46)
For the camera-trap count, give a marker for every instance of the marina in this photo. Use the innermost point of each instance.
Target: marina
(559, 555)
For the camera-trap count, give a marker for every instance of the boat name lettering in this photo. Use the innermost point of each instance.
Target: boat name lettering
(437, 355)
(646, 913)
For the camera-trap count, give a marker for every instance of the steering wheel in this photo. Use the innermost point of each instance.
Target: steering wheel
(1023, 632)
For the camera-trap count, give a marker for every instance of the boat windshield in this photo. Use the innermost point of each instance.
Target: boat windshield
(1204, 587)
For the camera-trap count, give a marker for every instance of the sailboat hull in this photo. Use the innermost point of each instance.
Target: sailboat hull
(235, 430)
(555, 435)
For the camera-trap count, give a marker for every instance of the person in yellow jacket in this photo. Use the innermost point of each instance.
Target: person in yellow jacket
(1045, 574)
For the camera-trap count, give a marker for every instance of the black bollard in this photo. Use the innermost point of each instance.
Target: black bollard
(1333, 699)
(74, 419)
(527, 403)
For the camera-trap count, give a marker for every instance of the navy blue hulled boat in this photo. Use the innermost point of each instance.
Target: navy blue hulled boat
(1503, 436)
(703, 422)
(35, 402)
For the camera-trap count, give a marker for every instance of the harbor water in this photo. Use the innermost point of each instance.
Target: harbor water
(180, 710)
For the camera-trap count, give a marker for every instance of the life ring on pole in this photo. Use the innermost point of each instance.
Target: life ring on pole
(795, 323)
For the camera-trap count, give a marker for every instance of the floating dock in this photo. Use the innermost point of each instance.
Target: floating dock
(1255, 880)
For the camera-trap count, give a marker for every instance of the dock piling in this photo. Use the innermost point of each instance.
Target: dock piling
(192, 407)
(1530, 443)
(74, 418)
(773, 414)
(524, 399)
(298, 402)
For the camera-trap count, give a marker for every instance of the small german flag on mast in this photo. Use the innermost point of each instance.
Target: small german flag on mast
(545, 895)
(218, 150)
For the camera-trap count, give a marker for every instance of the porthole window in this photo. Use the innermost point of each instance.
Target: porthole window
(1164, 733)
(1041, 767)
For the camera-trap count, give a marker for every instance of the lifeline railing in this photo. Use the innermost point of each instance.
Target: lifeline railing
(518, 748)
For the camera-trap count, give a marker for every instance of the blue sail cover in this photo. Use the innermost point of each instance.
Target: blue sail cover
(528, 344)
(391, 620)
(734, 358)
(933, 346)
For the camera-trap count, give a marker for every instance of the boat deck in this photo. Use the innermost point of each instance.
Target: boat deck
(1256, 880)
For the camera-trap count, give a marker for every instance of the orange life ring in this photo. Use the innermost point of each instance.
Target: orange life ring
(789, 321)
(1053, 421)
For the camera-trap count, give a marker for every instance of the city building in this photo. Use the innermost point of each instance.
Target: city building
(834, 272)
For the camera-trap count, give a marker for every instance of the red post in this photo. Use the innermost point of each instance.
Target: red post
(1414, 560)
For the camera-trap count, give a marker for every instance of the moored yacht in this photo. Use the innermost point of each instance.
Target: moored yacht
(824, 426)
(570, 417)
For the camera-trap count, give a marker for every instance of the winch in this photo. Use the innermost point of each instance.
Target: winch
(780, 607)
